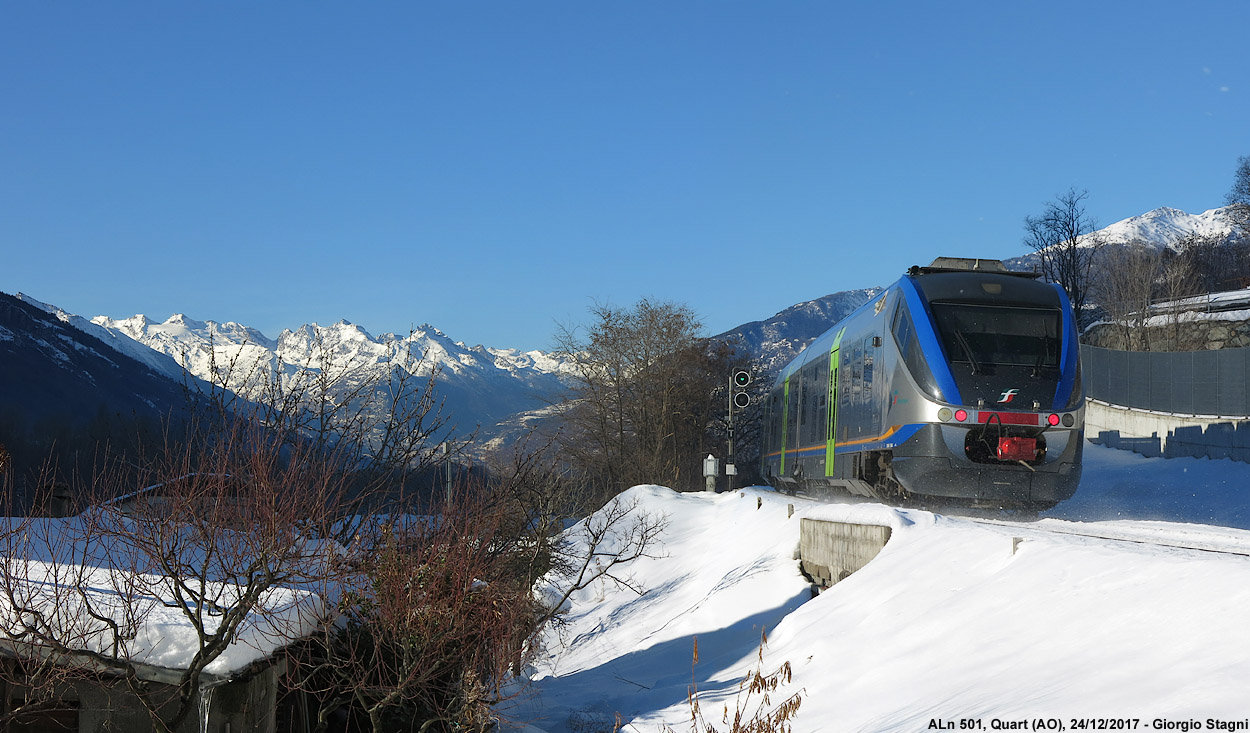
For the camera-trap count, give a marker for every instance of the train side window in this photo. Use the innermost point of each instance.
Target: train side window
(904, 334)
(774, 440)
(846, 377)
(792, 405)
(857, 375)
(821, 386)
(909, 348)
(852, 377)
(802, 404)
(869, 359)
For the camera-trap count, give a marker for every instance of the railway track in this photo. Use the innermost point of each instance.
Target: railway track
(1158, 533)
(1201, 542)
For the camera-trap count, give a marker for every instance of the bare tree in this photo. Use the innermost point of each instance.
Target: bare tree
(227, 546)
(57, 619)
(1176, 281)
(1215, 263)
(1238, 199)
(598, 549)
(643, 396)
(1065, 239)
(1125, 288)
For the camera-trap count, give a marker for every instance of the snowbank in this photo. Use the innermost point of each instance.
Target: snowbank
(953, 620)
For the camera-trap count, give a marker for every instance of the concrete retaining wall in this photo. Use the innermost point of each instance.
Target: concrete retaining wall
(830, 551)
(1166, 434)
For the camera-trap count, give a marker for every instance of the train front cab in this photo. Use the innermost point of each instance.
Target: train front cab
(1003, 369)
(958, 385)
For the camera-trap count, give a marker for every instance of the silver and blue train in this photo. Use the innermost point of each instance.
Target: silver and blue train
(961, 381)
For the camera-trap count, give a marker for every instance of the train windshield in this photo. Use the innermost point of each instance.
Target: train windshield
(982, 335)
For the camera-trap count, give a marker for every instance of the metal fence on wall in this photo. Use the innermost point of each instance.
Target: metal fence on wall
(1182, 382)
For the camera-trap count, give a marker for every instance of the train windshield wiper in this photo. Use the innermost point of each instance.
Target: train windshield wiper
(1042, 357)
(972, 359)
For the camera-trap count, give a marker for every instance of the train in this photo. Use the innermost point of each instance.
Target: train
(960, 383)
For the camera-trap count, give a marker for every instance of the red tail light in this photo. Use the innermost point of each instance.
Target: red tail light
(1017, 449)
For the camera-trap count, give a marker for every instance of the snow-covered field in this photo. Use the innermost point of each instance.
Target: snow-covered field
(946, 628)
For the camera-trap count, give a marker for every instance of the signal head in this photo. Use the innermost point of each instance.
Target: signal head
(742, 378)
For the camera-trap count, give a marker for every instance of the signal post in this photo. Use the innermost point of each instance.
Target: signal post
(740, 398)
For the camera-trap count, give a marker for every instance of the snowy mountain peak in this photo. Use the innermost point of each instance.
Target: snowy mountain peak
(482, 386)
(180, 319)
(426, 329)
(1165, 226)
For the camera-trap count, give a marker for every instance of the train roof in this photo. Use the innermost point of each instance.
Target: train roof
(998, 288)
(969, 264)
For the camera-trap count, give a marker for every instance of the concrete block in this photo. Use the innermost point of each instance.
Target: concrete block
(1109, 438)
(1219, 434)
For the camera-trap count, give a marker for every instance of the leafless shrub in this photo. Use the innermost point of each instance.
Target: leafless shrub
(754, 710)
(427, 628)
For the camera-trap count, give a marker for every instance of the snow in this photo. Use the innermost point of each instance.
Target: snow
(1168, 225)
(119, 341)
(62, 567)
(954, 619)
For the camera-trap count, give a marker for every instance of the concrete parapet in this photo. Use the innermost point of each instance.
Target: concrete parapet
(1169, 435)
(829, 551)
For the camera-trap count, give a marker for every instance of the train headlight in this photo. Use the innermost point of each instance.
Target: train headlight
(961, 415)
(944, 414)
(1068, 420)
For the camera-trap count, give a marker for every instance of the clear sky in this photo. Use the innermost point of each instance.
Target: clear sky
(496, 168)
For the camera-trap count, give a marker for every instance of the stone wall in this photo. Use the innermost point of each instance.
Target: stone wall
(1207, 334)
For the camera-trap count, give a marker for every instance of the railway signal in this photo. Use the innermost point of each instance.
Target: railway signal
(740, 398)
(742, 379)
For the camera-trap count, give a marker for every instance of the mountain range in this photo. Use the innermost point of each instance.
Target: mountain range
(484, 389)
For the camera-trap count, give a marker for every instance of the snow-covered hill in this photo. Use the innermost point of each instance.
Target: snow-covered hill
(953, 622)
(155, 360)
(52, 366)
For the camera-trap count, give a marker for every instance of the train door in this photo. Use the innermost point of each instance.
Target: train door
(831, 423)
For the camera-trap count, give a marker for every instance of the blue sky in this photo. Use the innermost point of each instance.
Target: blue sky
(495, 168)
